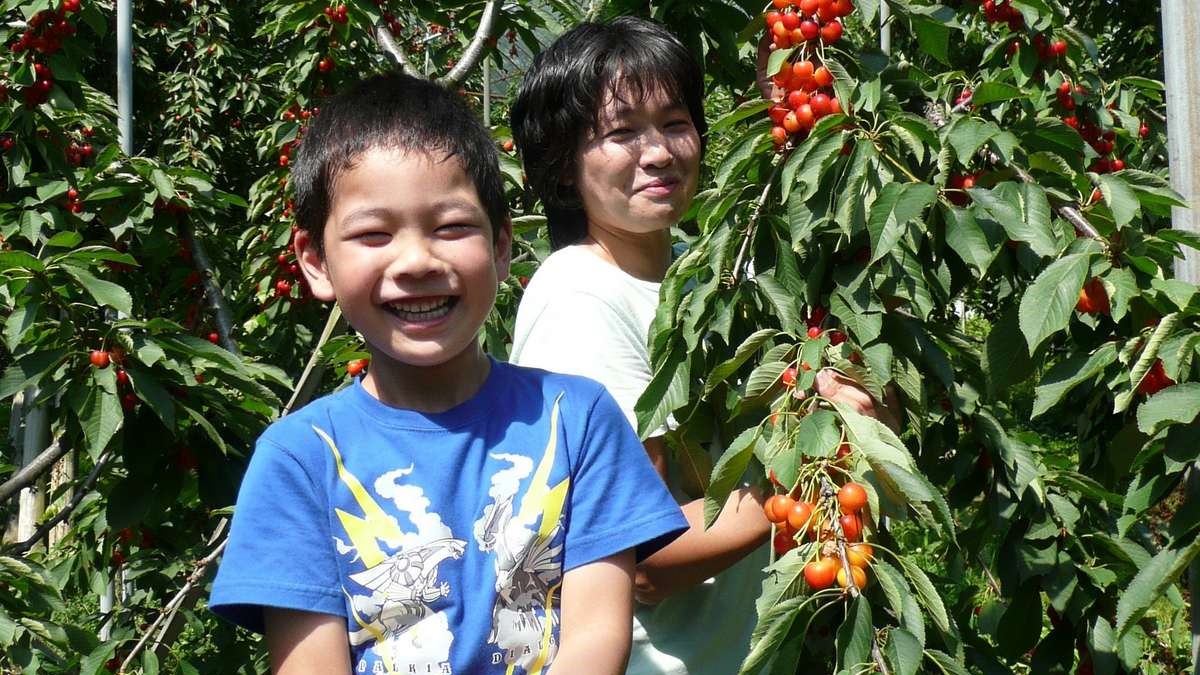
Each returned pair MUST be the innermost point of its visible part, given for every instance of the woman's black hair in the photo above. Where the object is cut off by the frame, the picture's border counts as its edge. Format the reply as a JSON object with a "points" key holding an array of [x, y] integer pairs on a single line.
{"points": [[392, 112], [562, 93]]}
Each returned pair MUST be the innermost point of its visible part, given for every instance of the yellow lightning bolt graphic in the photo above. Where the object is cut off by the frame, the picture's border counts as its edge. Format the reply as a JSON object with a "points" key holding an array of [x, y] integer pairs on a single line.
{"points": [[364, 533], [549, 500]]}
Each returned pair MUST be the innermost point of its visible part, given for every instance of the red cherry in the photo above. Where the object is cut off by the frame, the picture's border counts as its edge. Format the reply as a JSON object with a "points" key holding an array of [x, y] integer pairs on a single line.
{"points": [[122, 377], [214, 338], [99, 358], [814, 332], [836, 337], [810, 29], [831, 32]]}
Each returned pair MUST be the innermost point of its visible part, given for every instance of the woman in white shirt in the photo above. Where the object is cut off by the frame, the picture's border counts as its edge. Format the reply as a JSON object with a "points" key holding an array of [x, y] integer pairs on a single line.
{"points": [[610, 125]]}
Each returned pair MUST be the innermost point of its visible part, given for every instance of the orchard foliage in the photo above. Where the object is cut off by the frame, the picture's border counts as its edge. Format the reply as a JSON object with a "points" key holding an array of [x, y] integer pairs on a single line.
{"points": [[152, 306], [981, 226]]}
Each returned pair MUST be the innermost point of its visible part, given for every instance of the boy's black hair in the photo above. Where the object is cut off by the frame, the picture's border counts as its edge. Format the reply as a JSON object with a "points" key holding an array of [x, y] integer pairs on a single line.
{"points": [[562, 93], [394, 112]]}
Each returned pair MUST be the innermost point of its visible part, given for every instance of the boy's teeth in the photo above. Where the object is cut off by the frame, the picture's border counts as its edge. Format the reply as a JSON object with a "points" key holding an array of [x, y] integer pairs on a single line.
{"points": [[420, 305], [422, 310]]}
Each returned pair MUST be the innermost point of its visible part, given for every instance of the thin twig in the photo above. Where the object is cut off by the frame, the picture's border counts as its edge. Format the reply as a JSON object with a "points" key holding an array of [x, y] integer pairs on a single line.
{"points": [[754, 216], [387, 42], [34, 469], [474, 51], [878, 656], [172, 607], [23, 547], [212, 291], [992, 583], [314, 370]]}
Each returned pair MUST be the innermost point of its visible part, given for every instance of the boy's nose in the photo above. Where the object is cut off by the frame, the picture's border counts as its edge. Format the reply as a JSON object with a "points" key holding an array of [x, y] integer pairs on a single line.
{"points": [[413, 257]]}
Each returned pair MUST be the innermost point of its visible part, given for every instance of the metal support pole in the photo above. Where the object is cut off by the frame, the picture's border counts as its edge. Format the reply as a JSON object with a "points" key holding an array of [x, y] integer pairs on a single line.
{"points": [[1181, 25], [32, 499], [487, 91], [125, 74], [885, 28]]}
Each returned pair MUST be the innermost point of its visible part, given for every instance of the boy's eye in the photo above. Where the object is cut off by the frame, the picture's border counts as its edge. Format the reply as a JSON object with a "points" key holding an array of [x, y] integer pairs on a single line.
{"points": [[618, 132], [371, 237], [456, 228], [679, 123]]}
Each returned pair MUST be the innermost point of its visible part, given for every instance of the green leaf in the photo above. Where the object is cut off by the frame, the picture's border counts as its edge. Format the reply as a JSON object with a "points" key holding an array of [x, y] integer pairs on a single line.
{"points": [[1151, 582], [863, 326], [818, 436], [1006, 205], [765, 376], [775, 62], [104, 292], [927, 595], [29, 369], [896, 206], [20, 260], [904, 652], [1179, 404], [967, 135], [773, 626], [783, 300], [993, 92], [1120, 198], [93, 662], [162, 184], [1072, 371], [933, 37], [666, 392], [19, 322], [855, 635], [1048, 303], [747, 109], [748, 348], [149, 390], [728, 472], [100, 414], [976, 242]]}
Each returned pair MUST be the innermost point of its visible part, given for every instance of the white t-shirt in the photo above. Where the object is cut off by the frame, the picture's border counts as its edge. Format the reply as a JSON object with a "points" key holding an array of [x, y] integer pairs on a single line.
{"points": [[585, 316]]}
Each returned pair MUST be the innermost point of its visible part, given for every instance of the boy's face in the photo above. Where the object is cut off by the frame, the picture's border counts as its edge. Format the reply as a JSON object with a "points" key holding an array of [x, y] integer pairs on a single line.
{"points": [[638, 172], [409, 256]]}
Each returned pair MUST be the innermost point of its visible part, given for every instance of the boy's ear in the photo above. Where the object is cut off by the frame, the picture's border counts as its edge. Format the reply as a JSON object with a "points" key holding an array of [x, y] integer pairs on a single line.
{"points": [[312, 264], [503, 249]]}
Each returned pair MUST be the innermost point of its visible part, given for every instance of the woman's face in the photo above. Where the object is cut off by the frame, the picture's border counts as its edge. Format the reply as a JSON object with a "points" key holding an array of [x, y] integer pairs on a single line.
{"points": [[637, 172]]}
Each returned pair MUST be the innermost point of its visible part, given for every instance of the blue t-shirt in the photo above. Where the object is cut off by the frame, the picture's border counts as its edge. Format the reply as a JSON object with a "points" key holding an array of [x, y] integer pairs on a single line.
{"points": [[441, 538]]}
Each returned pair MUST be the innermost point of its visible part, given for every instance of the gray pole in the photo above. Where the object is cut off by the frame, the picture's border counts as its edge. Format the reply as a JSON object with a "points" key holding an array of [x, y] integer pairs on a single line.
{"points": [[125, 129], [125, 74], [885, 28], [1181, 23], [487, 91]]}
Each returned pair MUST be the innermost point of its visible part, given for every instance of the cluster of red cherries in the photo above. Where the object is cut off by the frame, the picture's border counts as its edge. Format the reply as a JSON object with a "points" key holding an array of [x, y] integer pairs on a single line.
{"points": [[45, 35], [803, 91]]}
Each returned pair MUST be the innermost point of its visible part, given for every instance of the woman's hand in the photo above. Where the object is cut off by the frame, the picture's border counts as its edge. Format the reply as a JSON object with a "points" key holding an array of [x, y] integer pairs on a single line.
{"points": [[837, 387]]}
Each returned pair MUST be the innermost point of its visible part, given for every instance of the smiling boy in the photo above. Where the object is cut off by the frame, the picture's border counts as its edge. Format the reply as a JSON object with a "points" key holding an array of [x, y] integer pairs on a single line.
{"points": [[446, 513]]}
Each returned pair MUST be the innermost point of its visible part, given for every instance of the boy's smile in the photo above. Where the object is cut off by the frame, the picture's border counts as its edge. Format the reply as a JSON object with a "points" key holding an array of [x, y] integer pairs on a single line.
{"points": [[410, 259]]}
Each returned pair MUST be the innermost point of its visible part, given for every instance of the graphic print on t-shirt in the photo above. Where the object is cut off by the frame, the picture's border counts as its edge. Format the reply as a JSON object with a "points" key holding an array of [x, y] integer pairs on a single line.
{"points": [[528, 557], [394, 613]]}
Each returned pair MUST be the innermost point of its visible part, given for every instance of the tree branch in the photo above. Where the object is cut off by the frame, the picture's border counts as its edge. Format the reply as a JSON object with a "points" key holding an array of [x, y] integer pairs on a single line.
{"points": [[23, 547], [212, 291], [170, 610], [33, 470], [754, 216], [387, 42], [474, 51], [314, 371], [1069, 212]]}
